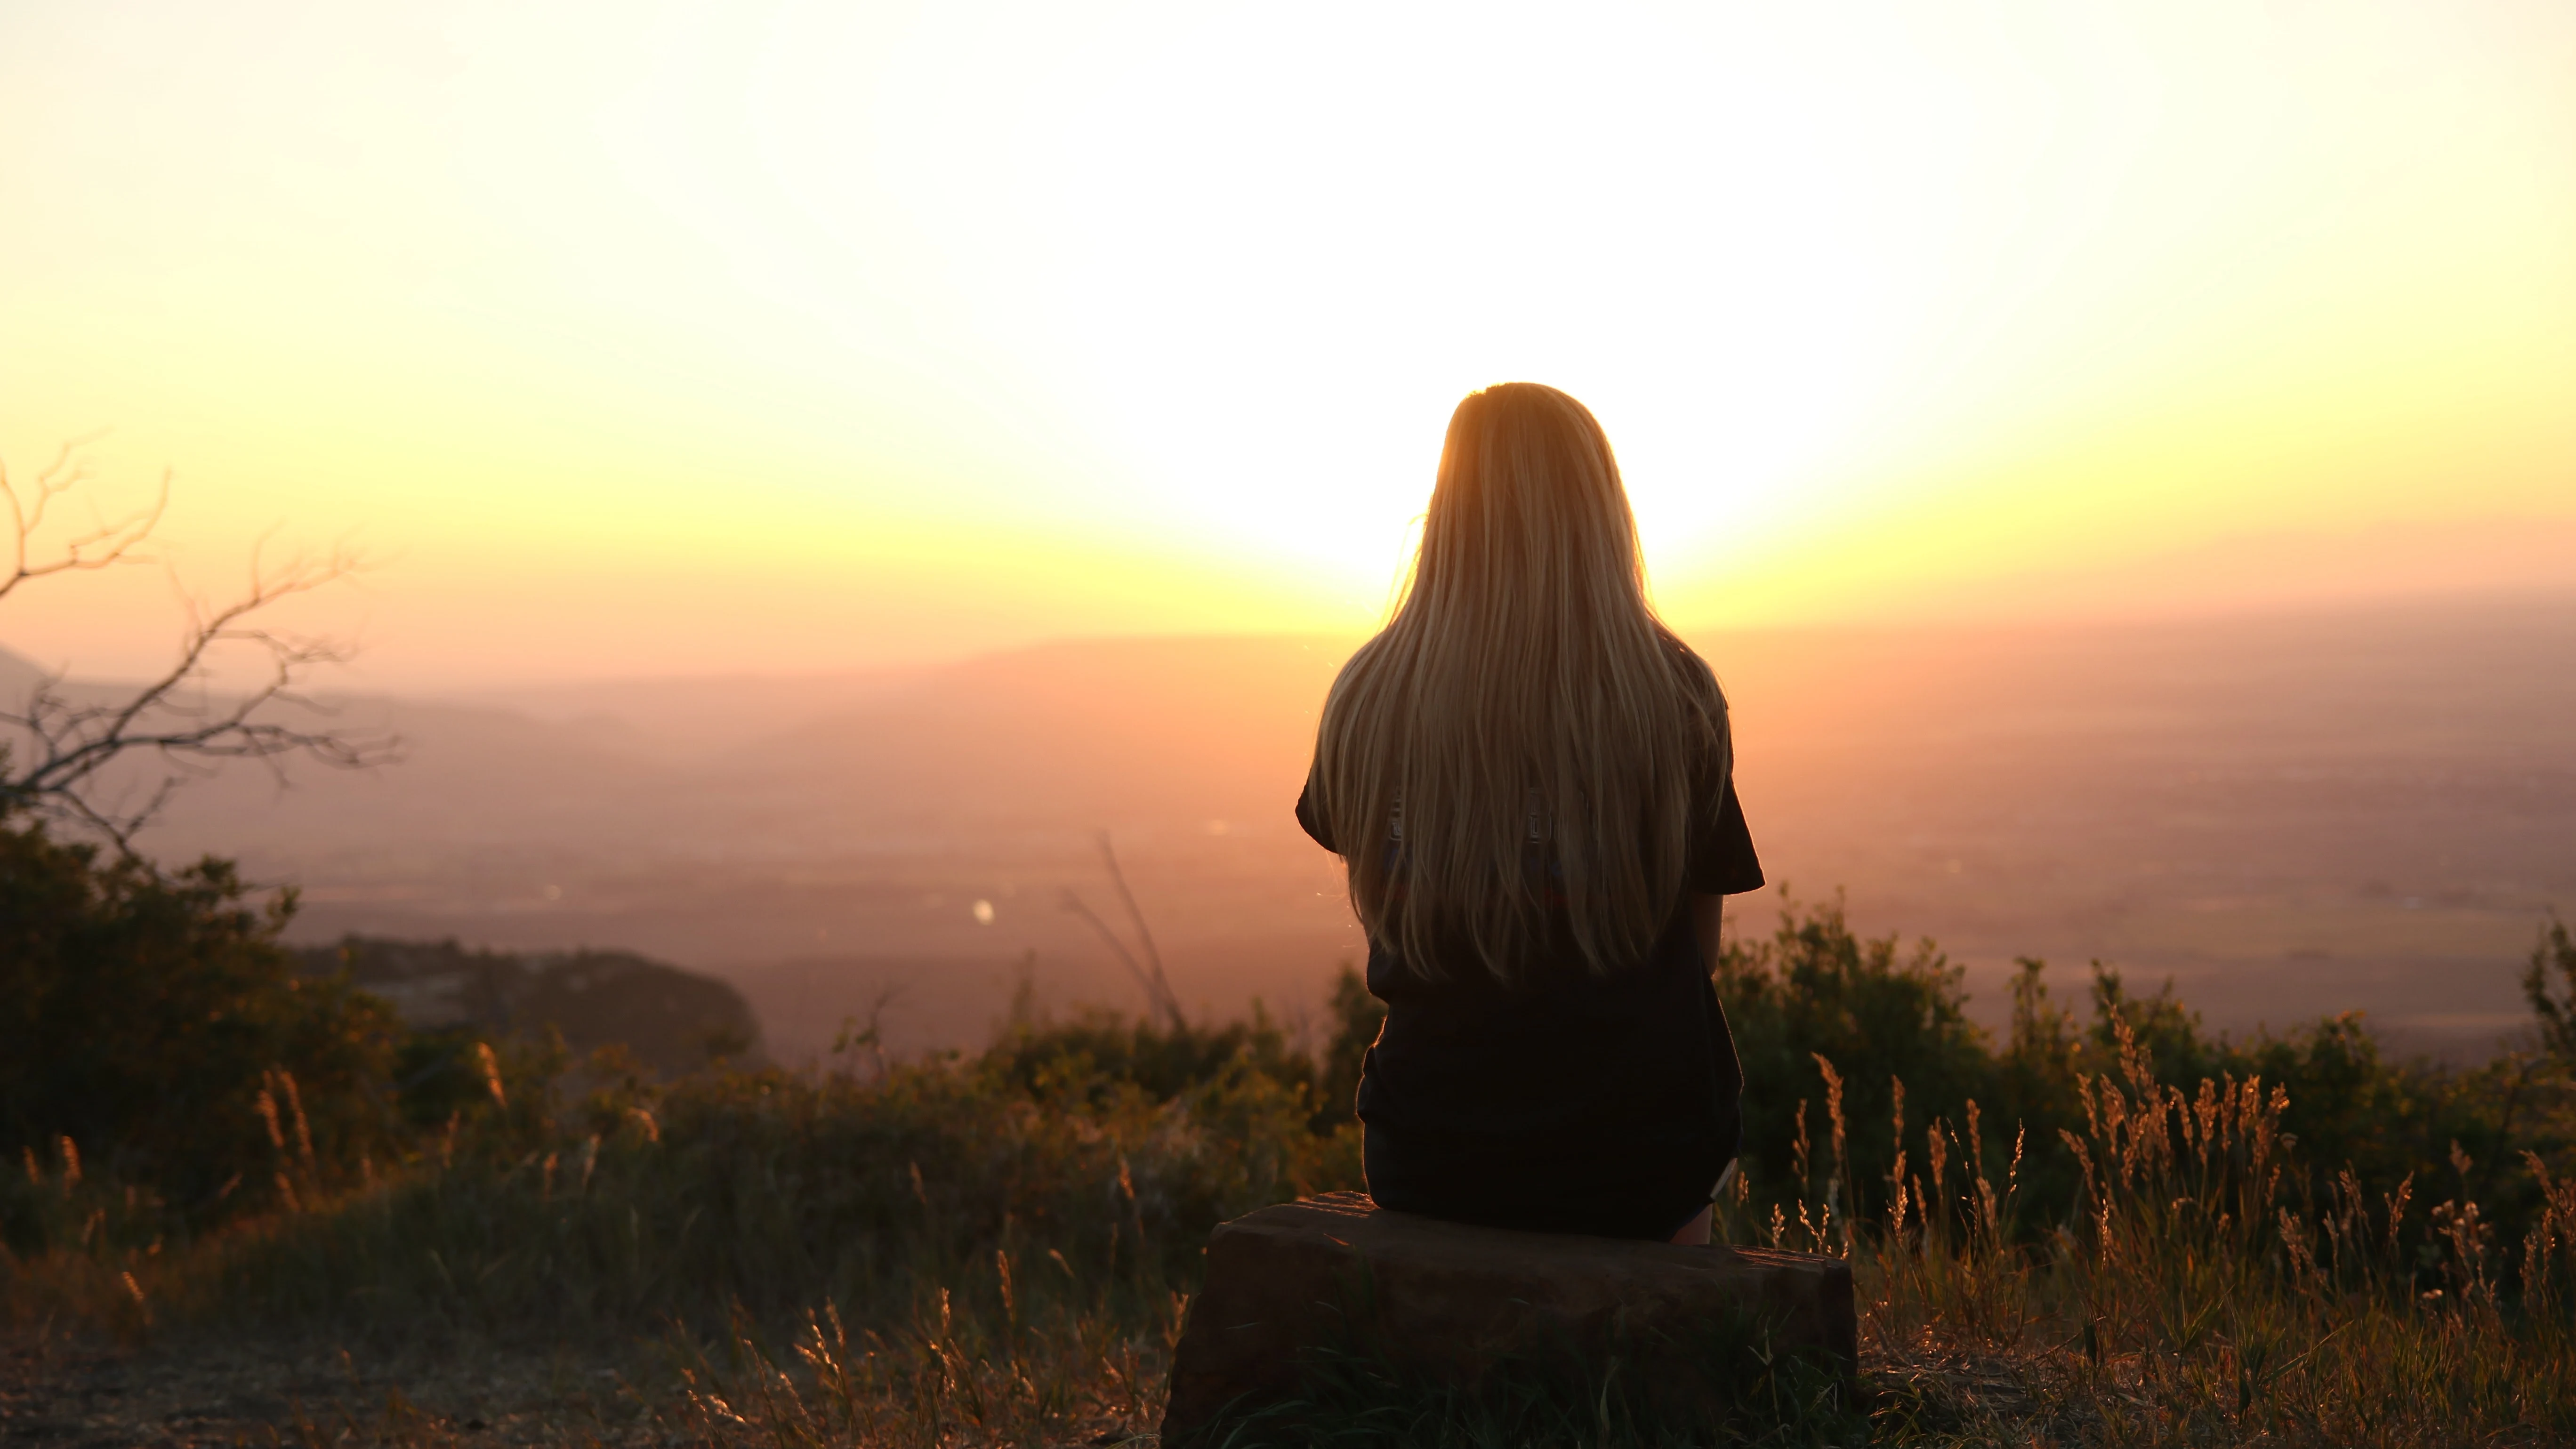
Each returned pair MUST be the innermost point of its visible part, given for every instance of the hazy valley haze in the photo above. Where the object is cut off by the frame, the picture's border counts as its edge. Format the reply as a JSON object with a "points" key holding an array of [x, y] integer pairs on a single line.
{"points": [[2289, 813]]}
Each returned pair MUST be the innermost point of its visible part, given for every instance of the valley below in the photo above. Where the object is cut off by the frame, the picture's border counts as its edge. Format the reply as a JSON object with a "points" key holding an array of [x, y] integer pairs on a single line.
{"points": [[2286, 815]]}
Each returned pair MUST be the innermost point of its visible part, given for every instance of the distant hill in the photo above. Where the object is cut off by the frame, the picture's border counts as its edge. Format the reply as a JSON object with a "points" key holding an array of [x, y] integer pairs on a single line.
{"points": [[673, 1021], [685, 721], [17, 675], [2289, 813]]}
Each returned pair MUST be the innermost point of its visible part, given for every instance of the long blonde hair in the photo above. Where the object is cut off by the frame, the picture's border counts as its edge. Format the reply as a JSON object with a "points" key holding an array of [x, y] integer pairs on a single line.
{"points": [[1523, 699]]}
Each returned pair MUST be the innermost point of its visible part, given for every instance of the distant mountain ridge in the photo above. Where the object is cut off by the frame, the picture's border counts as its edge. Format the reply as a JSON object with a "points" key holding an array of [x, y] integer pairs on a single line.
{"points": [[672, 1021], [2249, 803]]}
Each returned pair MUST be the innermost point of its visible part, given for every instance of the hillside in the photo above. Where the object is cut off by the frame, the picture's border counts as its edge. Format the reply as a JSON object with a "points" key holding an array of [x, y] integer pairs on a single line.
{"points": [[2290, 814], [670, 1021]]}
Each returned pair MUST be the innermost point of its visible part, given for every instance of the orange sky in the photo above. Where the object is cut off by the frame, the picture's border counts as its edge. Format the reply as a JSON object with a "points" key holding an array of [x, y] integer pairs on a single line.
{"points": [[661, 339]]}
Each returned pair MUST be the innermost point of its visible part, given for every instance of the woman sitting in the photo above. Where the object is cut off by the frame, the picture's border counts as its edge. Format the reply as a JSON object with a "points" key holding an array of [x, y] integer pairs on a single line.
{"points": [[1529, 780]]}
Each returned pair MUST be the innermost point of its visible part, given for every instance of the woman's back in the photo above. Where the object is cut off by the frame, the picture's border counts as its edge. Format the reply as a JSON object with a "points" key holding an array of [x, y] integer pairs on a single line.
{"points": [[1529, 780], [1524, 689]]}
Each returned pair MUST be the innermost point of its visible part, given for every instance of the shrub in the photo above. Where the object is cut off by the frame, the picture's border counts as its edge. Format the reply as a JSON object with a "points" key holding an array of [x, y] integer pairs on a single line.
{"points": [[1821, 1016], [1814, 997], [1355, 1017], [1100, 1053], [152, 1022], [642, 1204]]}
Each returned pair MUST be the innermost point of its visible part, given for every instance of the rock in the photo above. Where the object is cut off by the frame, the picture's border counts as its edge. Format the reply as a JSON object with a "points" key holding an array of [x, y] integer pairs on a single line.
{"points": [[1453, 1304]]}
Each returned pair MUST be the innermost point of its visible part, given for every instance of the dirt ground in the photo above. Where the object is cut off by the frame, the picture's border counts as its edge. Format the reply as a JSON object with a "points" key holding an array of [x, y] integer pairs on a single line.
{"points": [[212, 1392]]}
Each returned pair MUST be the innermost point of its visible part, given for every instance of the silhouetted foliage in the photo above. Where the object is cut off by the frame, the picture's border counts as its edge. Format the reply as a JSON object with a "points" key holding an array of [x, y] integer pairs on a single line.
{"points": [[957, 1214], [1879, 1014], [1100, 1054], [1876, 1014], [437, 1074], [2556, 1014], [2168, 1031], [1356, 1017], [144, 1017], [70, 751]]}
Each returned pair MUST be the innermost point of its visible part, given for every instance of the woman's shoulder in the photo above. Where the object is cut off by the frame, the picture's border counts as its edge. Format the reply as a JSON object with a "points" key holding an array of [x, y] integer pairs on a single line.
{"points": [[1704, 702], [1693, 672]]}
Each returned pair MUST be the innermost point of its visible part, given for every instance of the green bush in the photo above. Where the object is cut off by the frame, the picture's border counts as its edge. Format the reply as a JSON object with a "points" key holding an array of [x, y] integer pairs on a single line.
{"points": [[1099, 1054], [1881, 1015], [1875, 1014], [1355, 1017], [997, 1246], [152, 1022], [639, 1204]]}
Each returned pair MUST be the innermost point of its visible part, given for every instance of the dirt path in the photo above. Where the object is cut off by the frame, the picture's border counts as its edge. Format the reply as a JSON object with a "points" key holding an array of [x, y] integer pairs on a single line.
{"points": [[228, 1393]]}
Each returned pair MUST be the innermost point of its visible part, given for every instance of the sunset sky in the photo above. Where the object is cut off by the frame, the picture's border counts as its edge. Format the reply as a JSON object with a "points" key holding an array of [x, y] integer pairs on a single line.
{"points": [[656, 339]]}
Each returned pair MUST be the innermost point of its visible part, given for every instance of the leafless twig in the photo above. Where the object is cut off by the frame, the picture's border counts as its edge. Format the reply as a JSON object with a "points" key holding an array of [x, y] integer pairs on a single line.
{"points": [[64, 745], [1148, 972], [1144, 934]]}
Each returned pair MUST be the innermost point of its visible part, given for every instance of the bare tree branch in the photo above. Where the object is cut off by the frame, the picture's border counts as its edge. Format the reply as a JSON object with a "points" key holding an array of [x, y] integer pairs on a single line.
{"points": [[1148, 972], [108, 542], [1153, 958], [176, 716]]}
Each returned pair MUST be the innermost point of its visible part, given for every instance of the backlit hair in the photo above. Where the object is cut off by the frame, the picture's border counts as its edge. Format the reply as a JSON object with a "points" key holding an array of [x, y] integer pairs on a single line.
{"points": [[1523, 708]]}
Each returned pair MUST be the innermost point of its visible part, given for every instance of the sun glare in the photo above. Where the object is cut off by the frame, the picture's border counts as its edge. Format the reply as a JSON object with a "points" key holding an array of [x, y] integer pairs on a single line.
{"points": [[1795, 257], [1141, 296]]}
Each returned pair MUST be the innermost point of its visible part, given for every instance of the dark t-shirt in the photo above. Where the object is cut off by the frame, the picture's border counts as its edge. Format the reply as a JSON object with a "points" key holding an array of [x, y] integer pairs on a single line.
{"points": [[1566, 1102]]}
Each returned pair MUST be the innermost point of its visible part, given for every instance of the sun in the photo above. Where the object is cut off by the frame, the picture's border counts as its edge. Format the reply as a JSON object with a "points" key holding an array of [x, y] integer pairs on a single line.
{"points": [[918, 327]]}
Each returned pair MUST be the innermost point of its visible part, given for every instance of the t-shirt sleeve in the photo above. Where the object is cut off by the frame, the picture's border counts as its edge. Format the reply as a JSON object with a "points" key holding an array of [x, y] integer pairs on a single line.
{"points": [[1308, 817], [1722, 862]]}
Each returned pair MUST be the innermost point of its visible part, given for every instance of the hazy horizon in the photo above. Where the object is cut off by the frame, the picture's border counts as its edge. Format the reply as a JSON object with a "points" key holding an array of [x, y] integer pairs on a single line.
{"points": [[640, 342], [2288, 812]]}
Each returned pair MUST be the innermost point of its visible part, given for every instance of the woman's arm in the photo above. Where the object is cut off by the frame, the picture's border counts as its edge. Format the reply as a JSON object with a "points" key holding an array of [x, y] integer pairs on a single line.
{"points": [[1706, 913]]}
